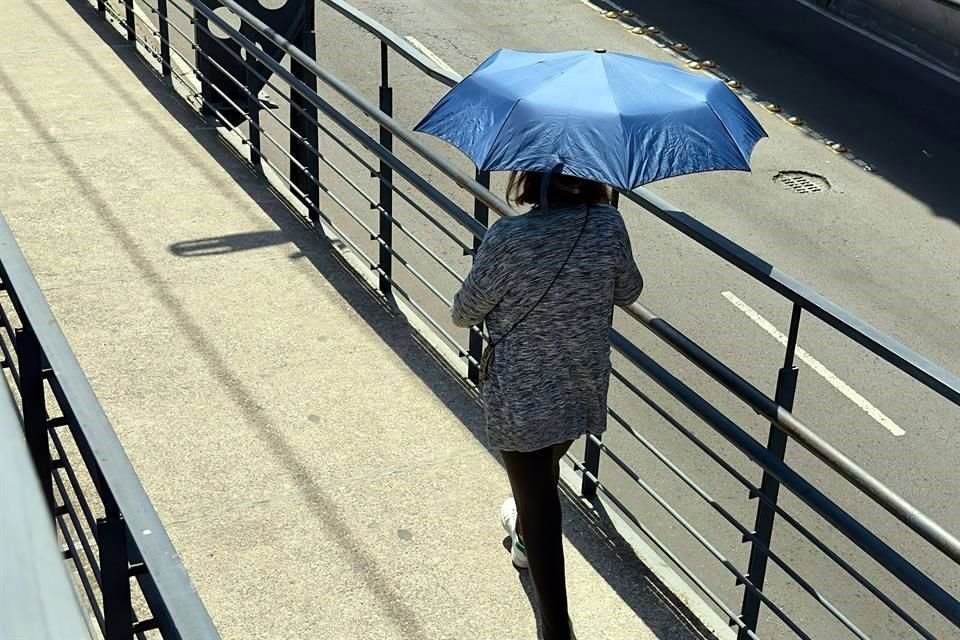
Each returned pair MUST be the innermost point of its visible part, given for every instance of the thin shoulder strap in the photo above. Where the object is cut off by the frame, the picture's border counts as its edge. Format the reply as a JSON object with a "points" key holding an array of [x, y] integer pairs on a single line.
{"points": [[549, 286]]}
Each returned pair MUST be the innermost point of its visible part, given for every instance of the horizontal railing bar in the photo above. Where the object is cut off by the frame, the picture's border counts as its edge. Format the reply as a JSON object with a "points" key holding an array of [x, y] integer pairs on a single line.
{"points": [[5, 322], [142, 626], [433, 220], [789, 519], [409, 234], [11, 334], [77, 527], [376, 173], [916, 366], [700, 538], [329, 222], [463, 352], [893, 562], [406, 264], [8, 358], [92, 601], [392, 185], [373, 265], [72, 477], [744, 531], [663, 548], [908, 514], [113, 466]]}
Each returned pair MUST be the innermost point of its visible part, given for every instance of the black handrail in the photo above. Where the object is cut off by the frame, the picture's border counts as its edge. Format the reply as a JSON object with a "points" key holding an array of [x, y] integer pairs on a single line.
{"points": [[177, 604]]}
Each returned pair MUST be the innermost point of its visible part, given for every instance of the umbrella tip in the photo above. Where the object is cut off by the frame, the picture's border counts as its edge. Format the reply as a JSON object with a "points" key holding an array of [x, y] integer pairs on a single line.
{"points": [[599, 50]]}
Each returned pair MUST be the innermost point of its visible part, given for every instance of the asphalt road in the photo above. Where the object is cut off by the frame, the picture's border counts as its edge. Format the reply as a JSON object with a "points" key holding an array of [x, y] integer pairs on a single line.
{"points": [[883, 244]]}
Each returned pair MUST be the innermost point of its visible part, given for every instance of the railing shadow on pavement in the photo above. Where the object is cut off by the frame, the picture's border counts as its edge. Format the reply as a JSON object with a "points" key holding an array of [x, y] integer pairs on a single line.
{"points": [[777, 411]]}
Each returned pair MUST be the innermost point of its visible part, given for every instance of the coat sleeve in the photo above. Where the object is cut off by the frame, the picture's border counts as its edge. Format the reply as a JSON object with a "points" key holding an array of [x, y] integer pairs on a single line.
{"points": [[486, 284], [629, 282]]}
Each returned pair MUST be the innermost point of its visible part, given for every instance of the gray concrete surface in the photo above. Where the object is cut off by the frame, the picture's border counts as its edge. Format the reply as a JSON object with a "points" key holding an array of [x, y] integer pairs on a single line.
{"points": [[319, 471]]}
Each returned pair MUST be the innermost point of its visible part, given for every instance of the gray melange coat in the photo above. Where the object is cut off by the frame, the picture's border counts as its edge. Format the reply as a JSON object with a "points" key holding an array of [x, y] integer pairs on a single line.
{"points": [[548, 383]]}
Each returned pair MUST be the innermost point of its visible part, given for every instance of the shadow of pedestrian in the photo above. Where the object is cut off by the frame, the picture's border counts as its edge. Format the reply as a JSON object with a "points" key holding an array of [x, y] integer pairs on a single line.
{"points": [[228, 244]]}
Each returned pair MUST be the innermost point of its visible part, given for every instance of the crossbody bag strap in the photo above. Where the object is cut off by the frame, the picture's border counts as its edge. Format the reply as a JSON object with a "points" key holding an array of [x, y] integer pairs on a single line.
{"points": [[549, 286]]}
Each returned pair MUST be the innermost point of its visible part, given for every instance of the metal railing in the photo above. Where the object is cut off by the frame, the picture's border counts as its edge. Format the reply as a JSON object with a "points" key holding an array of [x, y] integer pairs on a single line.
{"points": [[101, 512], [312, 115]]}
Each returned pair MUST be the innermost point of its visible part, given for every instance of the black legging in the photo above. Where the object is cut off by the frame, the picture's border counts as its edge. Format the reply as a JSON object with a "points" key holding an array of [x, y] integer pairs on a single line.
{"points": [[534, 477]]}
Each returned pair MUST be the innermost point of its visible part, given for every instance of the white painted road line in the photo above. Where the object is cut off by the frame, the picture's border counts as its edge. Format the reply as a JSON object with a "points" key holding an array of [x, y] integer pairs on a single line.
{"points": [[815, 364], [613, 5], [430, 54]]}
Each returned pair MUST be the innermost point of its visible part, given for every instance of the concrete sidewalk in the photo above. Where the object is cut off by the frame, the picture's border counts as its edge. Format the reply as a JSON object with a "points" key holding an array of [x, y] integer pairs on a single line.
{"points": [[320, 473]]}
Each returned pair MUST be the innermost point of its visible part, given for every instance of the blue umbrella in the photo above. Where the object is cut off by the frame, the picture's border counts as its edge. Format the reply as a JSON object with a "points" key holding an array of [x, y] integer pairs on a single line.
{"points": [[615, 118]]}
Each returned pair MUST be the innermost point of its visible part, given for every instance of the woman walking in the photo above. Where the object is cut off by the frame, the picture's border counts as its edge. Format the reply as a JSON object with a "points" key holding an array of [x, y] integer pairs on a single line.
{"points": [[546, 284]]}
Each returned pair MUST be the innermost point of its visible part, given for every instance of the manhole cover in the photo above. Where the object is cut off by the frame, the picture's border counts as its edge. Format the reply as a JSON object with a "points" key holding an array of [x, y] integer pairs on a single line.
{"points": [[801, 181]]}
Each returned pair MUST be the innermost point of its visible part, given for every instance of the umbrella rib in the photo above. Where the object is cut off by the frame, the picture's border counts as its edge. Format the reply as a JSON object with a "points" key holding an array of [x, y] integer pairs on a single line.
{"points": [[493, 141], [746, 159], [623, 125]]}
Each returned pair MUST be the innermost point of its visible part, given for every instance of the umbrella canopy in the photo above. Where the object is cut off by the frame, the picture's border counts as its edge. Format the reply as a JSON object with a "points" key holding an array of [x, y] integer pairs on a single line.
{"points": [[614, 118]]}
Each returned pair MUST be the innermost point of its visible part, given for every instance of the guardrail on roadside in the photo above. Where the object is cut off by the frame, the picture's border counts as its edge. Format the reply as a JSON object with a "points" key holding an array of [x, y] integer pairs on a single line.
{"points": [[312, 115], [102, 514]]}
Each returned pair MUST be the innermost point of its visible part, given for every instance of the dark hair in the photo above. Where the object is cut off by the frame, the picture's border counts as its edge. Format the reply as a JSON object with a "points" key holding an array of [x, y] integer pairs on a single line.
{"points": [[524, 188]]}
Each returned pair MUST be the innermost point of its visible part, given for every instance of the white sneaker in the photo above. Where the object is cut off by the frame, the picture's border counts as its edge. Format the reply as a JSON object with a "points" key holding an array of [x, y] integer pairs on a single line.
{"points": [[508, 518]]}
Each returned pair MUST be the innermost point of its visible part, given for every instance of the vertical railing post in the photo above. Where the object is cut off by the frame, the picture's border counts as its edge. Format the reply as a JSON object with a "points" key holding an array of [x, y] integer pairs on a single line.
{"points": [[591, 463], [30, 367], [386, 178], [305, 164], [130, 20], [200, 28], [166, 65], [114, 571], [253, 112], [102, 7], [770, 486], [475, 345]]}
